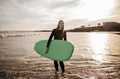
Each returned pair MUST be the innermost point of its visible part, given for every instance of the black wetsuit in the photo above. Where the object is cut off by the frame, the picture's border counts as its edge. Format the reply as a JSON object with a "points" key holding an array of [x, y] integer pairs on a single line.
{"points": [[57, 36]]}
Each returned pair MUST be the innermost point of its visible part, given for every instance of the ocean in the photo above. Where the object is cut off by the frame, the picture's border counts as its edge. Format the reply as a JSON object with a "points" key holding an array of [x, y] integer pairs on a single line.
{"points": [[96, 56]]}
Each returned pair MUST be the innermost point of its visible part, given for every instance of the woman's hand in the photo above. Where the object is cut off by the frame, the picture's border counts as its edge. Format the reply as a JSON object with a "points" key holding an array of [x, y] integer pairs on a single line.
{"points": [[46, 50]]}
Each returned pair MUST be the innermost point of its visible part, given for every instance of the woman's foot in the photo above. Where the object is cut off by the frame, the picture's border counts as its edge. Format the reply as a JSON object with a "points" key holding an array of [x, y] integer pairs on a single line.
{"points": [[56, 73], [63, 74]]}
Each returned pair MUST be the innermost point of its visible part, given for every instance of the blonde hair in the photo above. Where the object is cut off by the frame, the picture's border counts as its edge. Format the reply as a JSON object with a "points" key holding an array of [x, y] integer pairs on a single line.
{"points": [[62, 28]]}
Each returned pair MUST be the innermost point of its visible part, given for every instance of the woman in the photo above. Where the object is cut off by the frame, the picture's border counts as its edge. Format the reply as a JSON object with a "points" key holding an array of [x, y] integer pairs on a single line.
{"points": [[58, 34]]}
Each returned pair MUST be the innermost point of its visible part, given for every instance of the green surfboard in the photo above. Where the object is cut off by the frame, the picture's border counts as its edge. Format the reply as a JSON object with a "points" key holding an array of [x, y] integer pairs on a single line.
{"points": [[58, 50]]}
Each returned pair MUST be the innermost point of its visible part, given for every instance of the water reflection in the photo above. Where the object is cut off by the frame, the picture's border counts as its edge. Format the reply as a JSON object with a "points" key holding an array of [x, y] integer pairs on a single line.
{"points": [[98, 45]]}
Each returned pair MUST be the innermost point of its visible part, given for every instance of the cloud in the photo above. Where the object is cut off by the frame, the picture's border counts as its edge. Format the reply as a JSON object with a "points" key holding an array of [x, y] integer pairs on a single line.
{"points": [[115, 15], [18, 13], [63, 4], [44, 14], [38, 13]]}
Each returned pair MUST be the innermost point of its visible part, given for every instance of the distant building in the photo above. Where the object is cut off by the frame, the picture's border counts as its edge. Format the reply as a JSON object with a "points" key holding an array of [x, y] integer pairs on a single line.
{"points": [[111, 26]]}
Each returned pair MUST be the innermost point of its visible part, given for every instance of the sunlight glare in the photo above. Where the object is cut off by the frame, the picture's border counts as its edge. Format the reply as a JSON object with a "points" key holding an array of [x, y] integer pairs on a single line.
{"points": [[93, 9], [98, 45]]}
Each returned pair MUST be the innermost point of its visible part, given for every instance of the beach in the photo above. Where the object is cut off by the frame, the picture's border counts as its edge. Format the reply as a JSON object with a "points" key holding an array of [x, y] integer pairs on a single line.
{"points": [[96, 56]]}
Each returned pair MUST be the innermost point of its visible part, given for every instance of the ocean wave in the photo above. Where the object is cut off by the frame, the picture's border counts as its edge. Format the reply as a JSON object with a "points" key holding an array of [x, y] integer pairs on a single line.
{"points": [[5, 35]]}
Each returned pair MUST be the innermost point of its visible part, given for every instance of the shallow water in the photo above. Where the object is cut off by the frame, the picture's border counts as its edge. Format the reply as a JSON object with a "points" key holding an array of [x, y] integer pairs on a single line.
{"points": [[96, 56]]}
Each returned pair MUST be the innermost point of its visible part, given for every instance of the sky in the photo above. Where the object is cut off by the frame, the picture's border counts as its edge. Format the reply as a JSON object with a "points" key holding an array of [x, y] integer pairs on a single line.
{"points": [[45, 14]]}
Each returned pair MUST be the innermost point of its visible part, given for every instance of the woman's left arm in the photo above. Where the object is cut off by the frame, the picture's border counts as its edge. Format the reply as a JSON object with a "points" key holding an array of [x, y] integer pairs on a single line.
{"points": [[65, 36]]}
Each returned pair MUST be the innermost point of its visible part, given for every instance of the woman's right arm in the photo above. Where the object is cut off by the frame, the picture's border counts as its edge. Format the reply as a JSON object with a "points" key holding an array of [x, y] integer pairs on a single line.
{"points": [[49, 41]]}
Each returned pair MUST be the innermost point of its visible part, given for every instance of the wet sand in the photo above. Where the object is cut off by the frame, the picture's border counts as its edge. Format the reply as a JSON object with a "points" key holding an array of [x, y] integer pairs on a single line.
{"points": [[15, 69], [18, 60], [117, 33]]}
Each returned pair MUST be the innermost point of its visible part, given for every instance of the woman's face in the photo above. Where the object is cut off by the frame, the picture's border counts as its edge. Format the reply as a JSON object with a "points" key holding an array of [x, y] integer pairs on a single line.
{"points": [[61, 24]]}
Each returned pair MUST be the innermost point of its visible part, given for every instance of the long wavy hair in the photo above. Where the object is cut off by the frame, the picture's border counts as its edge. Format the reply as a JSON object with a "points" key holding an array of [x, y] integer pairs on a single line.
{"points": [[62, 27]]}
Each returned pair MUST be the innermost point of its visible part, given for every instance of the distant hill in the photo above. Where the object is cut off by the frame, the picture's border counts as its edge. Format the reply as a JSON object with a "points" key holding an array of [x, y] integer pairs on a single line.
{"points": [[107, 26]]}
